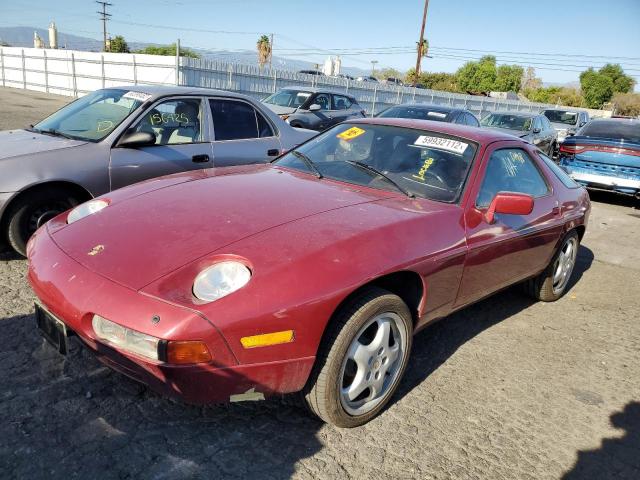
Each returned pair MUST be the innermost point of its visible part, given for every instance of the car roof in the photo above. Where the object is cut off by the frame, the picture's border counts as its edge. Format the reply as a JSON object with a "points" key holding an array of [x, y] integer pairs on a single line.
{"points": [[517, 114], [316, 90], [480, 135], [164, 90], [632, 121], [428, 106]]}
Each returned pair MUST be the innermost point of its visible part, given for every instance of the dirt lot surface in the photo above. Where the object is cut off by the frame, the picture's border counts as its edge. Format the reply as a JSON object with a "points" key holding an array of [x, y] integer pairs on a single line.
{"points": [[507, 389]]}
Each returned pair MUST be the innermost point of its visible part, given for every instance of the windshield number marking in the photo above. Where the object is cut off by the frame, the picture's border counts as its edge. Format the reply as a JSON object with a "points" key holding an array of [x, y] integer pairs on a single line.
{"points": [[441, 143], [427, 163], [143, 97]]}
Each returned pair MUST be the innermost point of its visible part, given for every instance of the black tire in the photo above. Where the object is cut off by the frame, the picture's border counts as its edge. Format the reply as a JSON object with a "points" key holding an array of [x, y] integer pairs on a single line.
{"points": [[541, 287], [31, 211], [322, 393]]}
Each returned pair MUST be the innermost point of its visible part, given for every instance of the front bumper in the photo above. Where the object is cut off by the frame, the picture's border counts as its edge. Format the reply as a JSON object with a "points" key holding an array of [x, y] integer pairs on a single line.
{"points": [[73, 294]]}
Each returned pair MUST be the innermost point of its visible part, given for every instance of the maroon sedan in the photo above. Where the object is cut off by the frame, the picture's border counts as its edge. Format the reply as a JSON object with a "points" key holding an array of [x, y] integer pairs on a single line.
{"points": [[309, 274]]}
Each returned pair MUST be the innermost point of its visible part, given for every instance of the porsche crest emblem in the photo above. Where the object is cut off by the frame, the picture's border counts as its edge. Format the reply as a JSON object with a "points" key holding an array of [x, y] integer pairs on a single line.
{"points": [[96, 250]]}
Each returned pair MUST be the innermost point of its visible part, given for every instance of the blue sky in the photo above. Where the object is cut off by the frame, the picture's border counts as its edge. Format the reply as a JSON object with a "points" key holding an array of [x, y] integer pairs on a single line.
{"points": [[585, 32]]}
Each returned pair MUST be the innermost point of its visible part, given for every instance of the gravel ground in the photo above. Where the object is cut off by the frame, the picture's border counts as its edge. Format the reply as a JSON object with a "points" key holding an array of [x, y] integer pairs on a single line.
{"points": [[505, 389]]}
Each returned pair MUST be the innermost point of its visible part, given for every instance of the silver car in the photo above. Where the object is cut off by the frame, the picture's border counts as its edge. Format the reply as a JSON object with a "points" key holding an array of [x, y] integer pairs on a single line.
{"points": [[566, 122], [119, 136]]}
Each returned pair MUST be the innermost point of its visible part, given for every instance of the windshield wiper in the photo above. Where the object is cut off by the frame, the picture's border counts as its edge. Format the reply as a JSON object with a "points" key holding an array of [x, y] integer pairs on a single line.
{"points": [[307, 161], [369, 168], [54, 132]]}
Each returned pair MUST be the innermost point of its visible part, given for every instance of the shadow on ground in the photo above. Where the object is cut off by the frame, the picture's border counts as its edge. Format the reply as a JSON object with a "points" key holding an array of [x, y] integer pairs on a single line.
{"points": [[436, 343], [617, 458], [614, 199]]}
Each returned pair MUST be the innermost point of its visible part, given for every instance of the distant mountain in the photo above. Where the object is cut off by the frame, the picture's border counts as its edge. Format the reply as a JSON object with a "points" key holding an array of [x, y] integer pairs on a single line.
{"points": [[23, 37]]}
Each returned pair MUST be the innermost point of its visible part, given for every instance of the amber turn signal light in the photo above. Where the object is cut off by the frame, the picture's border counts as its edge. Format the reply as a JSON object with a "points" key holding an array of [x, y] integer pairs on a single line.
{"points": [[187, 352], [267, 339]]}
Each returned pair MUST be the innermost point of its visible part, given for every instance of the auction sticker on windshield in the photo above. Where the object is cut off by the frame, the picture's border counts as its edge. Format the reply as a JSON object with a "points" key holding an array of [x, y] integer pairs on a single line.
{"points": [[440, 143], [351, 133], [143, 97]]}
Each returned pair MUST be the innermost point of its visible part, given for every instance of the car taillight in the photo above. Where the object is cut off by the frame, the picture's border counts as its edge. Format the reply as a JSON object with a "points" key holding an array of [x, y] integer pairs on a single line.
{"points": [[571, 149]]}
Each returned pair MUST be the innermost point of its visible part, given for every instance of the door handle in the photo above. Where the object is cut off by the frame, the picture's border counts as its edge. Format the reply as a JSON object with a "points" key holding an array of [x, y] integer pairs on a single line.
{"points": [[274, 152], [556, 209], [200, 158]]}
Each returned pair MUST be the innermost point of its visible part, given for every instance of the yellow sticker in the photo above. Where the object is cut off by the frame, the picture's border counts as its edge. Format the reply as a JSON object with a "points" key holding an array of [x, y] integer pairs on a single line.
{"points": [[350, 134]]}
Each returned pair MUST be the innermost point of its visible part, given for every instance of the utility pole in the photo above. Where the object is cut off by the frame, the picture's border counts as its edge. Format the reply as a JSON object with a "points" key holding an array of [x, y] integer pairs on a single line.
{"points": [[420, 42], [373, 66], [104, 16]]}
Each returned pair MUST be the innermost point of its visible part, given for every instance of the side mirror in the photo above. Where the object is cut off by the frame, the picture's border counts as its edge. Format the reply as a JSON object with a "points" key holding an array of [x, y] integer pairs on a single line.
{"points": [[137, 140], [315, 108], [509, 203], [570, 133], [536, 130]]}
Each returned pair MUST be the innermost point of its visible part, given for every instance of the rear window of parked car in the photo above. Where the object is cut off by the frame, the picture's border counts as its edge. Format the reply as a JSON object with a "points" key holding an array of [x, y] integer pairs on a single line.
{"points": [[617, 130]]}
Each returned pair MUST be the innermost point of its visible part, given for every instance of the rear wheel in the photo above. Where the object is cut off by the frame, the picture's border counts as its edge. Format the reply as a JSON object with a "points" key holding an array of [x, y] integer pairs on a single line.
{"points": [[552, 283], [361, 360], [31, 211]]}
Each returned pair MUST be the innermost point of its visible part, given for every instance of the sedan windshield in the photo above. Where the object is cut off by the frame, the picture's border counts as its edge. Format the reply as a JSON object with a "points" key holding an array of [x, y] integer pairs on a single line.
{"points": [[93, 116], [420, 113], [288, 98], [558, 116], [414, 162], [506, 120]]}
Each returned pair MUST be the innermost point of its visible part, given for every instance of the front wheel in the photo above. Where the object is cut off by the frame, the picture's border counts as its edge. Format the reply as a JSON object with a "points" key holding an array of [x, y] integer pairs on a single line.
{"points": [[31, 212], [552, 283], [362, 358]]}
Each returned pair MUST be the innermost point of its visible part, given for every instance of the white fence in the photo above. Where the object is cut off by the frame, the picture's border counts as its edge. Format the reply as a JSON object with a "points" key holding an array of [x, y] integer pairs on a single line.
{"points": [[75, 73]]}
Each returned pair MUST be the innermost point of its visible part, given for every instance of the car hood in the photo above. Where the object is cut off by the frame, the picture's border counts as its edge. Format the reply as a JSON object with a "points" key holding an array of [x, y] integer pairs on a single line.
{"points": [[508, 131], [280, 110], [14, 143], [149, 232]]}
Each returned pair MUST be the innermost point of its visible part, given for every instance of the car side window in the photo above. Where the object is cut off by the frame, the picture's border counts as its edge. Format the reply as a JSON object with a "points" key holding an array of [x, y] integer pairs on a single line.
{"points": [[237, 120], [471, 120], [511, 170], [323, 100], [563, 176], [340, 102], [537, 124], [173, 122]]}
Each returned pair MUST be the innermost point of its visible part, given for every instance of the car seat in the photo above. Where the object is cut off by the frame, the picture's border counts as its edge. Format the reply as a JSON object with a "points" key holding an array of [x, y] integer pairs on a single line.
{"points": [[187, 119]]}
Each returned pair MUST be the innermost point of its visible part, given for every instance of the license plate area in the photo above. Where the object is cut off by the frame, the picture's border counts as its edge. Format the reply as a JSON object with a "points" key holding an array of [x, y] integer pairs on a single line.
{"points": [[53, 330]]}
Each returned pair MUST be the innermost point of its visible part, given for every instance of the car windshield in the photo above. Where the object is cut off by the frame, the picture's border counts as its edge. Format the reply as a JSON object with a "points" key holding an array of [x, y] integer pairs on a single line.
{"points": [[626, 130], [421, 163], [93, 116], [506, 120], [288, 98], [558, 116], [415, 112]]}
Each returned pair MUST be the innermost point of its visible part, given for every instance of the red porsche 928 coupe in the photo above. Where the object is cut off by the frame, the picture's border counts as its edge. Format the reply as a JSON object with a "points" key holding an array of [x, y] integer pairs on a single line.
{"points": [[311, 273]]}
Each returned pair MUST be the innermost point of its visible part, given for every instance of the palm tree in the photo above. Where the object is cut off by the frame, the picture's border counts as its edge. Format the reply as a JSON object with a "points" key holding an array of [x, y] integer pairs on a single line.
{"points": [[423, 47], [264, 50]]}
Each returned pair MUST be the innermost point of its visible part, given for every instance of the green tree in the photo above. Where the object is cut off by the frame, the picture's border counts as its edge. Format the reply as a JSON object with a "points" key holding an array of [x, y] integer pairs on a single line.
{"points": [[558, 95], [264, 50], [508, 78], [169, 50], [597, 88], [118, 45], [478, 77], [445, 82], [529, 80], [622, 83]]}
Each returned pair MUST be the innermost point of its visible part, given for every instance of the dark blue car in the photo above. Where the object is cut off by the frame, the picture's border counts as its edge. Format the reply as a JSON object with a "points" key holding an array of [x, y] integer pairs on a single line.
{"points": [[605, 155]]}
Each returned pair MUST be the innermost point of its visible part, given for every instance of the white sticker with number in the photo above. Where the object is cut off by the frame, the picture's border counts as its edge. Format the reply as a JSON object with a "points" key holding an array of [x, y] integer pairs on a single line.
{"points": [[441, 143], [143, 97]]}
